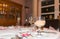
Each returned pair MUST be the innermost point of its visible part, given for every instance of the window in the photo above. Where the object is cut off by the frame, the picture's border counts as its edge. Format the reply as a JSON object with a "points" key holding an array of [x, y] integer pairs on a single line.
{"points": [[47, 2], [59, 1], [59, 7], [48, 16], [9, 11], [48, 9]]}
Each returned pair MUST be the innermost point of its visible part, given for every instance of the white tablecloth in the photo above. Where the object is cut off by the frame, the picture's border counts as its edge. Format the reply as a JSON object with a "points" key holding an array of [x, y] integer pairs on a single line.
{"points": [[45, 36], [9, 33]]}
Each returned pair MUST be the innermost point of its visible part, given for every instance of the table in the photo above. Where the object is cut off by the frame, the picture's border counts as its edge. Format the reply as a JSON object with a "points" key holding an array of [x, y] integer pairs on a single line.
{"points": [[9, 33]]}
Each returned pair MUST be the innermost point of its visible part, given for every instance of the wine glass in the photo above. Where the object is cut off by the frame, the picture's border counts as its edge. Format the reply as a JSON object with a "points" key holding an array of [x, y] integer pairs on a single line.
{"points": [[40, 24]]}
